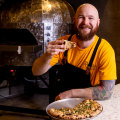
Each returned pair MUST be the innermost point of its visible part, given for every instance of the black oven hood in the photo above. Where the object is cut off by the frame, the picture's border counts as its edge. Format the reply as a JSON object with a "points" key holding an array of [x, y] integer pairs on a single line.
{"points": [[17, 37]]}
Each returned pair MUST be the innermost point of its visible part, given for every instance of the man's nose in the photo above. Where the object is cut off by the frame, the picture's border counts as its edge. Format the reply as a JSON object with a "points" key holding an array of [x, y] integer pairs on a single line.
{"points": [[85, 21]]}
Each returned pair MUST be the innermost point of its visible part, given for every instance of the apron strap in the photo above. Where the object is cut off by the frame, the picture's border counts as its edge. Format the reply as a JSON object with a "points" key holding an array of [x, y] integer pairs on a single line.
{"points": [[93, 56]]}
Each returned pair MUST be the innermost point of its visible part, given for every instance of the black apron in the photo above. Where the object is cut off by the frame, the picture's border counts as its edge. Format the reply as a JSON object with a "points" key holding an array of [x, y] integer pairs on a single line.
{"points": [[70, 77]]}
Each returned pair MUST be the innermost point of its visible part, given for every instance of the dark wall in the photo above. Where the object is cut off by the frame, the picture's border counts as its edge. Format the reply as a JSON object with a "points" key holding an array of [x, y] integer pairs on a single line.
{"points": [[99, 4]]}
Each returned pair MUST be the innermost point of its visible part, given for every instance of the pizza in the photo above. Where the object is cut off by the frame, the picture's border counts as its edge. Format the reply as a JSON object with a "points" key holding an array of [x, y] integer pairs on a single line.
{"points": [[86, 109], [69, 44]]}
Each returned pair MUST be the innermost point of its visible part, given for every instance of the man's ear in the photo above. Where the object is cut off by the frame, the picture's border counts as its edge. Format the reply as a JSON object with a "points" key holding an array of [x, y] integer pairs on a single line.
{"points": [[98, 22]]}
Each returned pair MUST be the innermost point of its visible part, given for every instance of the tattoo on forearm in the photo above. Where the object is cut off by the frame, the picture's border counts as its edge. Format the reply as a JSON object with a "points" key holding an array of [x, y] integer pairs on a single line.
{"points": [[104, 90]]}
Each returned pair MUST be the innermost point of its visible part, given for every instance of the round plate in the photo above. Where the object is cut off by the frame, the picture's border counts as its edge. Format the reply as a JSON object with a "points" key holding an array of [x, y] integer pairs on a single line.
{"points": [[70, 102]]}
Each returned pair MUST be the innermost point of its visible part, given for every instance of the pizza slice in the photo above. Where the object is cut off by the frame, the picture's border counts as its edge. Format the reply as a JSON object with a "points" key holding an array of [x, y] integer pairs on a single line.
{"points": [[69, 44]]}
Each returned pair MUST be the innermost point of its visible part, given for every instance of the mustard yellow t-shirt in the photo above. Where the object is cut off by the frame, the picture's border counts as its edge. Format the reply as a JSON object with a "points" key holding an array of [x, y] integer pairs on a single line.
{"points": [[103, 66]]}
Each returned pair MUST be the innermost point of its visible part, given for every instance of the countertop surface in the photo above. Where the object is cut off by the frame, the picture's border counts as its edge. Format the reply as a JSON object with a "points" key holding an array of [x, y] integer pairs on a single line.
{"points": [[111, 107]]}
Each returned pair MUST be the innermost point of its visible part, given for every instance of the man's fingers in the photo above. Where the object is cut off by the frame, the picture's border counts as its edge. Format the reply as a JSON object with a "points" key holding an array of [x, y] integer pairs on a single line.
{"points": [[57, 98], [56, 46], [57, 42], [54, 51]]}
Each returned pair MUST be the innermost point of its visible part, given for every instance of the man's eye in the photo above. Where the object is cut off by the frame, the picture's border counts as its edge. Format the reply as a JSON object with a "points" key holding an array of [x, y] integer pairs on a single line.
{"points": [[80, 17], [90, 18]]}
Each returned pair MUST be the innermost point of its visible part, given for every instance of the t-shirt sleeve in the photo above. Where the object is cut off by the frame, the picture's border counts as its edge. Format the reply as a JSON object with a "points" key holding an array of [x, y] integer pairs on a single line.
{"points": [[54, 60], [107, 63]]}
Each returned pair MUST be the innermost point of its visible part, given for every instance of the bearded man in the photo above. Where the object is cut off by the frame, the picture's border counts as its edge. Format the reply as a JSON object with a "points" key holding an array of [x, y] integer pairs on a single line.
{"points": [[89, 69]]}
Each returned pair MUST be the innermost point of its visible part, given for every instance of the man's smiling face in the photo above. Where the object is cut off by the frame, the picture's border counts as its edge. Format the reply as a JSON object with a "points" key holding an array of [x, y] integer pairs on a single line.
{"points": [[86, 21]]}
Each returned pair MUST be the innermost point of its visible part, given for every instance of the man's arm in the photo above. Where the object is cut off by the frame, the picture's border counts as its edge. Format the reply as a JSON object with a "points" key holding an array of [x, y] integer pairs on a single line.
{"points": [[104, 91], [101, 92], [42, 64]]}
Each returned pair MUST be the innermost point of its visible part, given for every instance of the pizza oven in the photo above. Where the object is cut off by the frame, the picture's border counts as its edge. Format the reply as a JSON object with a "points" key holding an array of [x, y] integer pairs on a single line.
{"points": [[26, 27], [47, 20]]}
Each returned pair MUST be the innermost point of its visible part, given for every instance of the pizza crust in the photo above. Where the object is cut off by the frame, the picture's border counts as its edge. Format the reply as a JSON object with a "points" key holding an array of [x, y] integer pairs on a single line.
{"points": [[55, 113]]}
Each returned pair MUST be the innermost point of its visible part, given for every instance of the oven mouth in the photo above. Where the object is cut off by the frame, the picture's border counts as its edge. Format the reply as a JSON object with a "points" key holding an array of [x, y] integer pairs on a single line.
{"points": [[17, 37]]}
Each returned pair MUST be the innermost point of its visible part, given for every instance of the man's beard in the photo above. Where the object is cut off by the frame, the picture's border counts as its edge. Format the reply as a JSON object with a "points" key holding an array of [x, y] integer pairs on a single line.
{"points": [[85, 37]]}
